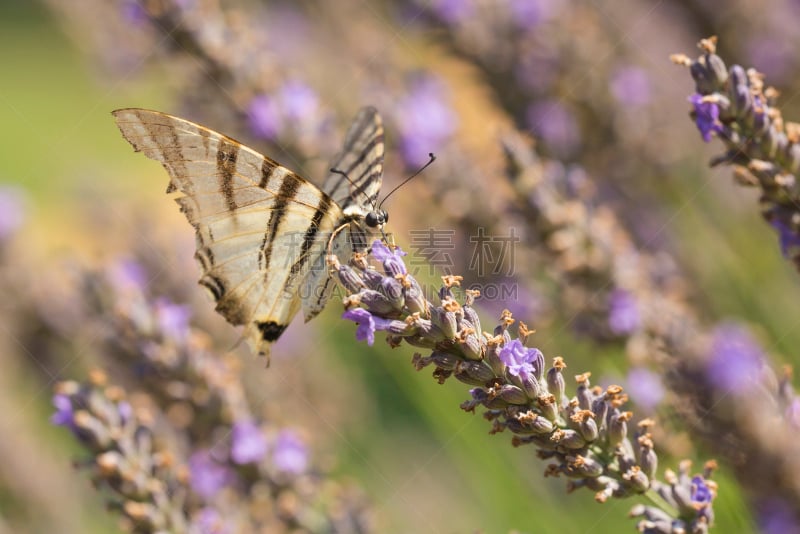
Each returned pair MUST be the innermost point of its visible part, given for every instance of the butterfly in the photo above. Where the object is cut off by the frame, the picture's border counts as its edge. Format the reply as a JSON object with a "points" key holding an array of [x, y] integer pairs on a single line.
{"points": [[263, 232]]}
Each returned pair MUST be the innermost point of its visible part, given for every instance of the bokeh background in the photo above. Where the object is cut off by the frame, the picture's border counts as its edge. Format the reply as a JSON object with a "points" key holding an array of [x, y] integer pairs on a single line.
{"points": [[591, 82]]}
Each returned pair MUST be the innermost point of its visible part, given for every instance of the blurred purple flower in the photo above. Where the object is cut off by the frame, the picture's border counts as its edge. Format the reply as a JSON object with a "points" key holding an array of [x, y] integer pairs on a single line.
{"points": [[630, 86], [173, 319], [12, 210], [529, 14], [290, 454], [452, 11], [64, 416], [134, 12], [787, 237], [706, 116], [207, 476], [735, 359], [623, 312], [248, 444], [209, 521], [127, 276], [264, 116], [298, 101], [777, 517], [507, 292], [774, 56], [519, 359], [392, 259], [792, 414], [645, 388], [367, 324], [425, 119], [555, 124]]}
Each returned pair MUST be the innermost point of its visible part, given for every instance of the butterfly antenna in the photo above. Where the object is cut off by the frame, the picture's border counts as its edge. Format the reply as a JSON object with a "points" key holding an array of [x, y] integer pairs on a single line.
{"points": [[404, 182], [355, 187]]}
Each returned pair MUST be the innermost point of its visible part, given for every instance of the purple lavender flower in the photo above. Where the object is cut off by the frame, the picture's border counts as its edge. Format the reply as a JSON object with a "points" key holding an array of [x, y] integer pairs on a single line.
{"points": [[777, 517], [290, 454], [519, 359], [134, 12], [264, 116], [701, 493], [555, 124], [792, 414], [209, 521], [736, 359], [127, 276], [248, 444], [173, 320], [452, 11], [299, 102], [623, 312], [528, 14], [787, 237], [645, 388], [425, 120], [706, 116], [12, 211], [207, 476], [630, 86], [367, 324], [773, 55], [392, 259], [64, 414]]}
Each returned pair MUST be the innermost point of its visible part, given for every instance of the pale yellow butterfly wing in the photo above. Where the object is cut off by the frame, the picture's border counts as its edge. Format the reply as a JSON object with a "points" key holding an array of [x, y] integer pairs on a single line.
{"points": [[261, 229]]}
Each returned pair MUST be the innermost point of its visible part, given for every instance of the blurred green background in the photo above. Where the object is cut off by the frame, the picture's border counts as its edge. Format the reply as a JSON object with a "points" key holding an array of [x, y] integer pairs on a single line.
{"points": [[426, 465]]}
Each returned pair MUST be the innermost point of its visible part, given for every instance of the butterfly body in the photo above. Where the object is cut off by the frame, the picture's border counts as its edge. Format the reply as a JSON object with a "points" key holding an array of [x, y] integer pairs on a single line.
{"points": [[263, 231]]}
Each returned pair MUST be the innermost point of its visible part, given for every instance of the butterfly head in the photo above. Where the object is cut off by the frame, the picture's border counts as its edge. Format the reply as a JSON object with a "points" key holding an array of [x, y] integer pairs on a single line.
{"points": [[376, 218]]}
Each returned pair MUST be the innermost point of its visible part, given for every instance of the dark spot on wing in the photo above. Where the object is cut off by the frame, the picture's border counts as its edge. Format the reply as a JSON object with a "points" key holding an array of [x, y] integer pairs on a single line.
{"points": [[270, 330]]}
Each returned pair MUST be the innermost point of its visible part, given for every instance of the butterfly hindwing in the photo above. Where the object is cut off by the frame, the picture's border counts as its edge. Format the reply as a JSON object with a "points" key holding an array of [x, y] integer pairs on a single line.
{"points": [[261, 229]]}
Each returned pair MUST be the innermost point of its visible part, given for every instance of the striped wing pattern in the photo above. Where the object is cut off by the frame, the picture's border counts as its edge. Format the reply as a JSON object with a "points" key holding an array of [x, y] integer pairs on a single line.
{"points": [[361, 159], [261, 229]]}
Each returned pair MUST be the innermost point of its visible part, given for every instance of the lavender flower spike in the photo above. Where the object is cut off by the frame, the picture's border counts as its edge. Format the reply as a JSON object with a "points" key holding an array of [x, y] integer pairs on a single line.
{"points": [[585, 437]]}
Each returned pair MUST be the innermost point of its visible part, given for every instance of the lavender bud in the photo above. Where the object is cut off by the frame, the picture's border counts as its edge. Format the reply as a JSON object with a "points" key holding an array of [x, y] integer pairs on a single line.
{"points": [[445, 320], [414, 297], [637, 479], [471, 316], [547, 406], [569, 439], [512, 394], [375, 302], [555, 380], [392, 289], [429, 330], [618, 427], [349, 278], [581, 466], [529, 383], [443, 360], [475, 373], [793, 157], [648, 460], [741, 99], [586, 424], [492, 356], [600, 409], [530, 423], [583, 392], [372, 278], [470, 346]]}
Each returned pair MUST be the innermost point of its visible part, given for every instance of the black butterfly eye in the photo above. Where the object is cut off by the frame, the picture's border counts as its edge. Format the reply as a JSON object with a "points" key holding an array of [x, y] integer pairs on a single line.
{"points": [[372, 219]]}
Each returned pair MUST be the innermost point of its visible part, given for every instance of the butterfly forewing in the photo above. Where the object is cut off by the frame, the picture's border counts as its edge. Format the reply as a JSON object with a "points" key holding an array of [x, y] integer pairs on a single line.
{"points": [[361, 159], [261, 229]]}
